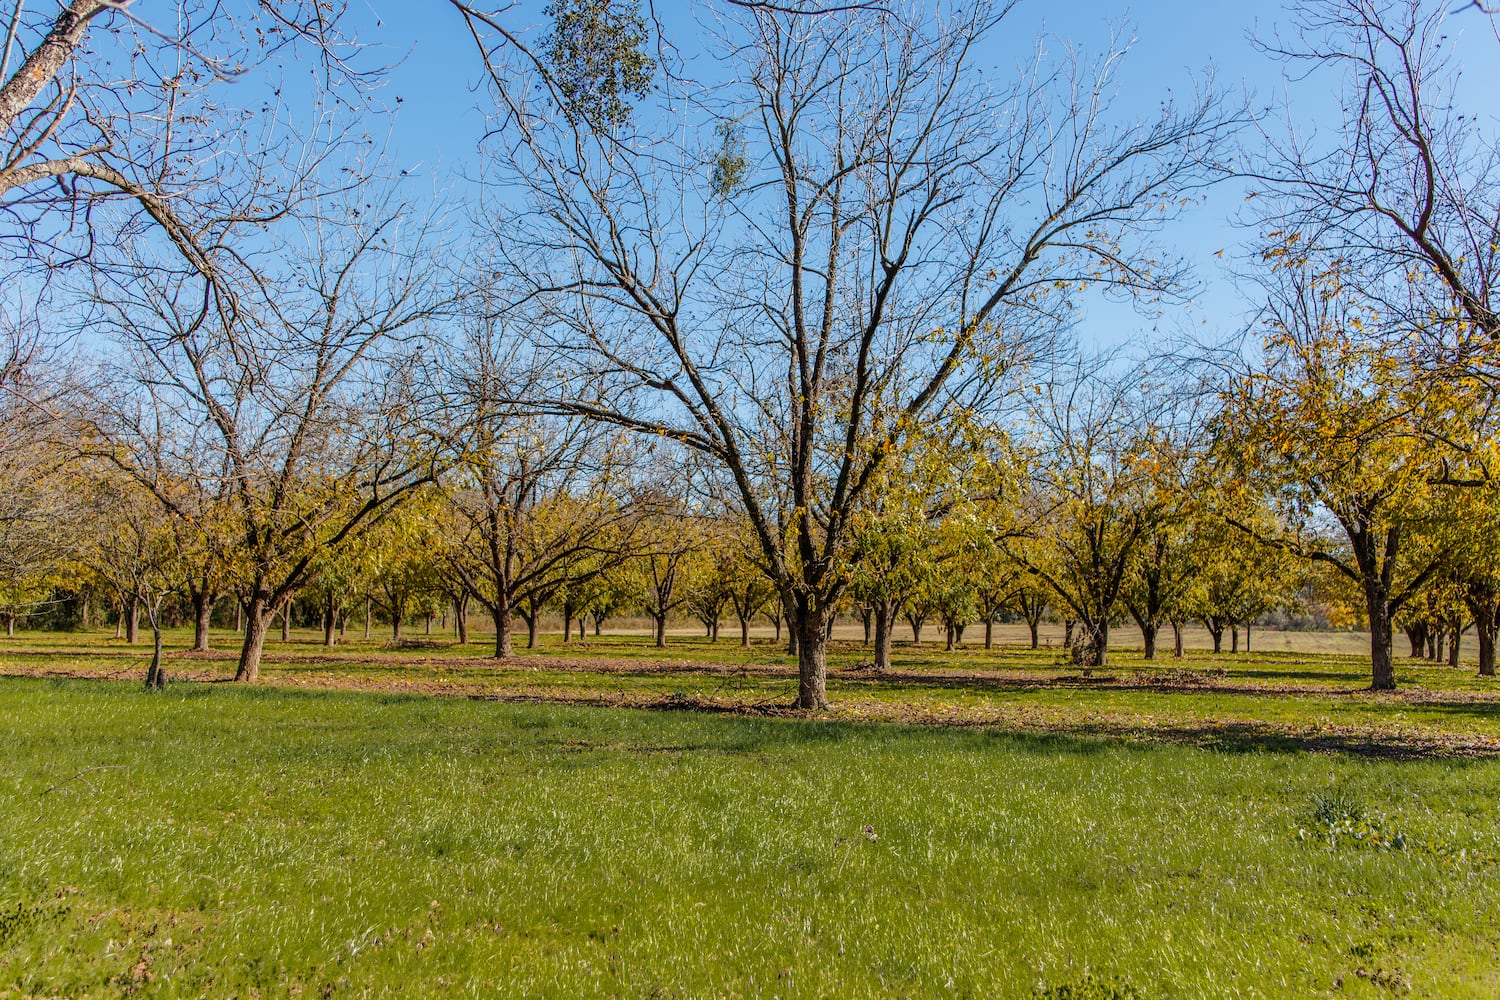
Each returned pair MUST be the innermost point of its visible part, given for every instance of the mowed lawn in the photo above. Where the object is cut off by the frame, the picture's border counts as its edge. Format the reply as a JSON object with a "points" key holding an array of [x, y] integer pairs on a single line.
{"points": [[222, 841]]}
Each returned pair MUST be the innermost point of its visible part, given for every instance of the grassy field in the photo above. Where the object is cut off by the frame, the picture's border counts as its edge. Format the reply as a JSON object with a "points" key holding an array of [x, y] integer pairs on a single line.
{"points": [[1149, 832]]}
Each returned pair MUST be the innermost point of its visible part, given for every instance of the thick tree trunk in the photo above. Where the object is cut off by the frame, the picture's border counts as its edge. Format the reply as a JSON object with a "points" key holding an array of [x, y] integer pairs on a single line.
{"points": [[1234, 638], [1416, 636], [1216, 631], [1484, 630], [461, 619], [501, 615], [744, 631], [1035, 627], [950, 640], [567, 617], [661, 631], [1068, 624], [1455, 645], [203, 609], [598, 624], [582, 628], [257, 621], [989, 633], [532, 623], [1177, 640], [1441, 645], [1148, 639], [812, 662], [286, 620]]}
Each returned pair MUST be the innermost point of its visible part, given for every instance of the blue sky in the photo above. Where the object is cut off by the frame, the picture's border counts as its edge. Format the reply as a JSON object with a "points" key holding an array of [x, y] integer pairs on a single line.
{"points": [[440, 121]]}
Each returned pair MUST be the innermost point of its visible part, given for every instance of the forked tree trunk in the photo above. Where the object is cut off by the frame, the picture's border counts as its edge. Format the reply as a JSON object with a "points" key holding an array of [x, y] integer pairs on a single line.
{"points": [[461, 619], [661, 631], [744, 631], [1035, 626], [531, 626]]}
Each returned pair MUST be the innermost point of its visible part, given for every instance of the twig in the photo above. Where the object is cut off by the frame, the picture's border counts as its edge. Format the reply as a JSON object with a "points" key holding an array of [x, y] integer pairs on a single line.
{"points": [[80, 776]]}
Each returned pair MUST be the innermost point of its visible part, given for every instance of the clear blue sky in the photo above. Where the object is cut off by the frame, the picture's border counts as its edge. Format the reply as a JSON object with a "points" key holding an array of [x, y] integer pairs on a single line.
{"points": [[1176, 41]]}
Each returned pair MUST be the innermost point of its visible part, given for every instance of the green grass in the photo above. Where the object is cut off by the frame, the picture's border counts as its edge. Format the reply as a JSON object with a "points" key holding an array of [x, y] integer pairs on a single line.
{"points": [[1298, 697], [286, 842]]}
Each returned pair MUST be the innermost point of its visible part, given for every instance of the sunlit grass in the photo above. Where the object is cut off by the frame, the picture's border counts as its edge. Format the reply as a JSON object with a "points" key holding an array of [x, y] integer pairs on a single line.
{"points": [[278, 841]]}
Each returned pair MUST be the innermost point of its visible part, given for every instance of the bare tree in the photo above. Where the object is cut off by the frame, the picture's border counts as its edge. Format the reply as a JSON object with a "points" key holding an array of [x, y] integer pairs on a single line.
{"points": [[301, 398], [788, 272], [117, 117]]}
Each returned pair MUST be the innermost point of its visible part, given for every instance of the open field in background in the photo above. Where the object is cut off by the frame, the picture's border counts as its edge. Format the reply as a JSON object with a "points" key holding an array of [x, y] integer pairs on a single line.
{"points": [[222, 841]]}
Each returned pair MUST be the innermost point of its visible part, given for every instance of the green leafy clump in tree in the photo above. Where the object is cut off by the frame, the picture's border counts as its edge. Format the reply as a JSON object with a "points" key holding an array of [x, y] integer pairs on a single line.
{"points": [[596, 59]]}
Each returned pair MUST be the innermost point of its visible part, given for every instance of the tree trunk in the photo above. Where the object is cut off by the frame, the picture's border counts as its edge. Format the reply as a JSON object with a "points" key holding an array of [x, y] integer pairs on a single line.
{"points": [[257, 621], [203, 609], [1416, 636], [1148, 639], [461, 619], [1441, 645], [286, 620], [1382, 669], [949, 643], [428, 629], [532, 622], [865, 614], [1177, 640], [132, 619], [367, 616], [1068, 632], [812, 662], [567, 610], [395, 625], [501, 614], [661, 631], [744, 631], [1484, 629], [1247, 637], [598, 624], [1035, 627], [120, 622], [1216, 631], [1234, 638], [989, 633], [1455, 645], [239, 615], [10, 625], [156, 677], [330, 620]]}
